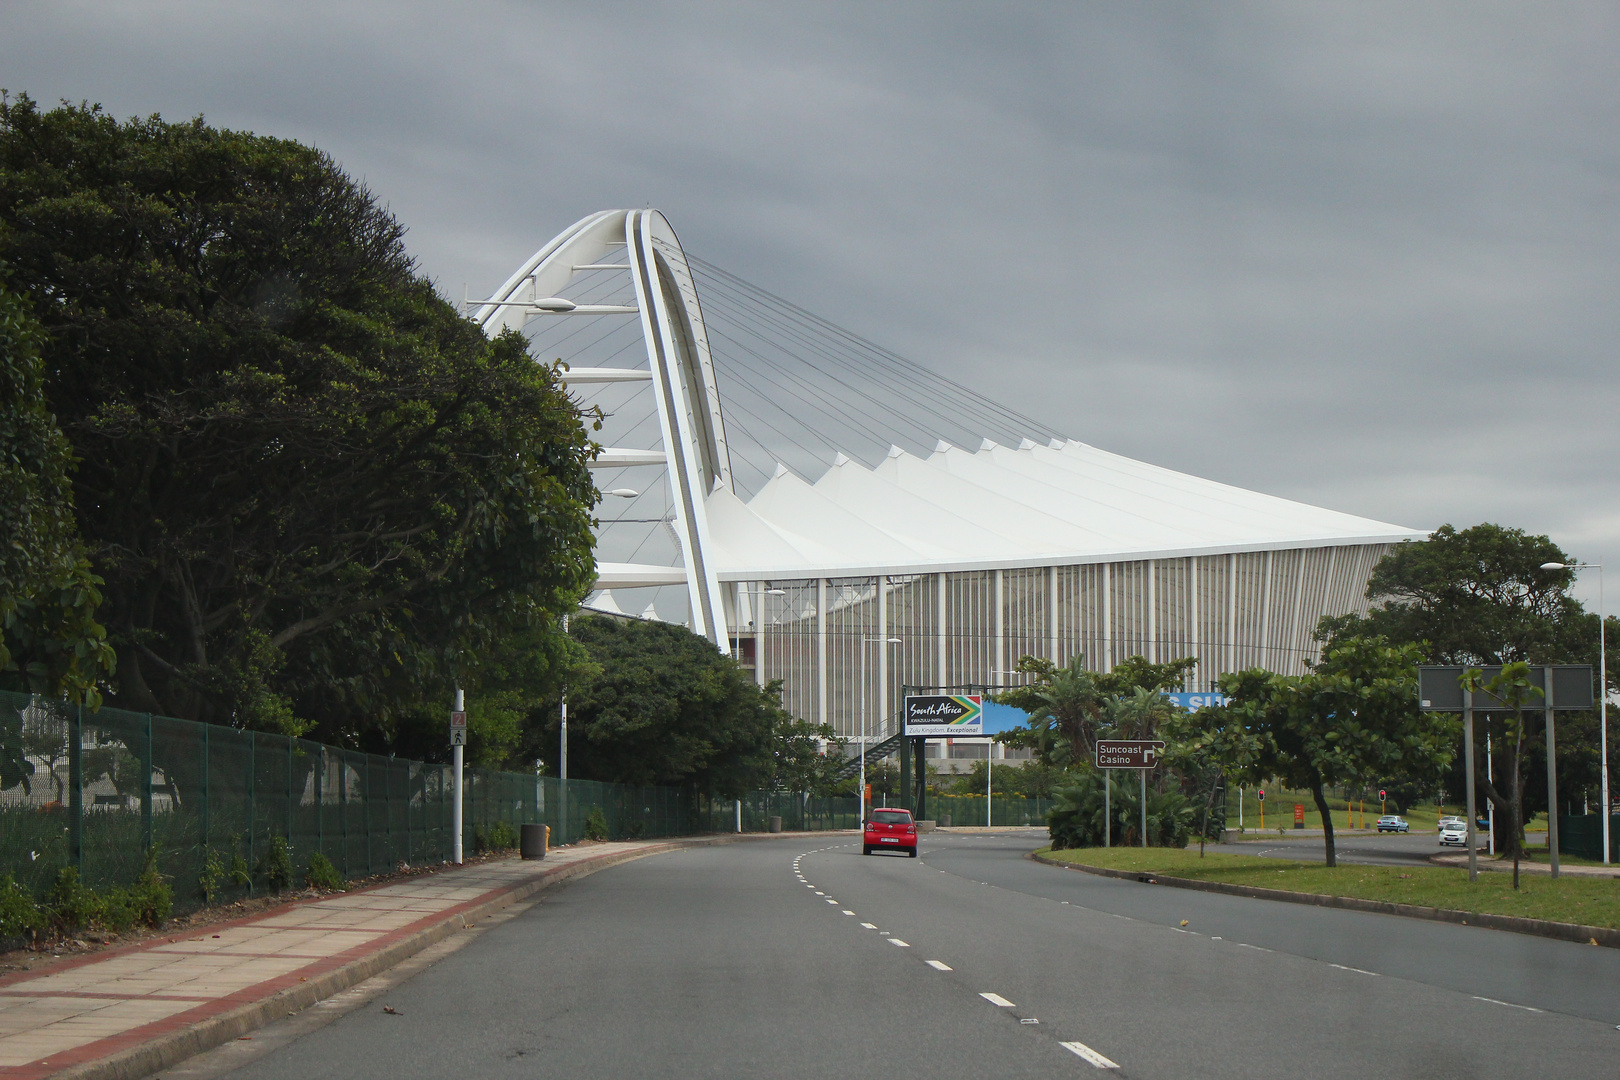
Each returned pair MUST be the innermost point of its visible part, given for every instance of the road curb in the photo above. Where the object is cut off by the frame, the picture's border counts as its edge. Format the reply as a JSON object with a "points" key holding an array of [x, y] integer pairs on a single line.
{"points": [[1575, 932], [170, 1049]]}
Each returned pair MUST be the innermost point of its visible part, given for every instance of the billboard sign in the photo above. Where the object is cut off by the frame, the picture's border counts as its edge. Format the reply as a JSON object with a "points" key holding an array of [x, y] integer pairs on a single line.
{"points": [[1193, 702], [948, 715], [1439, 688]]}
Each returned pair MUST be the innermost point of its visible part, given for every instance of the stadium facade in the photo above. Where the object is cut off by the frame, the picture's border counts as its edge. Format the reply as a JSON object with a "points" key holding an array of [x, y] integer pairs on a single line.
{"points": [[938, 568]]}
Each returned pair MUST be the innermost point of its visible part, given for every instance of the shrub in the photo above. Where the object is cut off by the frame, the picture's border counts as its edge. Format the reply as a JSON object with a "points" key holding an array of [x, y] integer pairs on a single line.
{"points": [[596, 825], [322, 874], [20, 915], [150, 896], [1076, 820], [275, 867], [498, 837], [211, 881], [71, 904]]}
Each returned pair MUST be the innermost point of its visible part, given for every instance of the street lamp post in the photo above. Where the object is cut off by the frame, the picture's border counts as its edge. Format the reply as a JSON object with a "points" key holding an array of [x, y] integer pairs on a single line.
{"points": [[1603, 700], [860, 792]]}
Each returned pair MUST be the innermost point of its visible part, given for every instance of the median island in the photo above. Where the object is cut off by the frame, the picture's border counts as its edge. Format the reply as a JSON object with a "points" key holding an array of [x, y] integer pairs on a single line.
{"points": [[1583, 901]]}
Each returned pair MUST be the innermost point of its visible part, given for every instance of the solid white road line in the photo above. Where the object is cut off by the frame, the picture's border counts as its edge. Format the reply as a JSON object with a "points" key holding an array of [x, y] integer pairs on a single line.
{"points": [[997, 999], [939, 966], [1509, 1004], [1090, 1055], [1358, 971]]}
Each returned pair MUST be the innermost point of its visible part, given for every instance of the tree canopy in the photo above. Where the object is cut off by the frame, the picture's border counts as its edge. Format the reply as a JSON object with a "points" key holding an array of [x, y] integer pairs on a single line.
{"points": [[661, 705], [1071, 707], [50, 641], [1354, 717], [314, 491], [1479, 596], [1474, 596]]}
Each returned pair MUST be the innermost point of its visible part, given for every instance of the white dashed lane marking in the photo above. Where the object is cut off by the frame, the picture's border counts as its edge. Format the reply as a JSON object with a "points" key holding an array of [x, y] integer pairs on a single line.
{"points": [[869, 926], [1091, 1056], [897, 941], [939, 965], [997, 1000]]}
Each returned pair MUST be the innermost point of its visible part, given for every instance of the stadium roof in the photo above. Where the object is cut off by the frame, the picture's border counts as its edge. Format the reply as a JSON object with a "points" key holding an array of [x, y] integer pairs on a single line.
{"points": [[1002, 507]]}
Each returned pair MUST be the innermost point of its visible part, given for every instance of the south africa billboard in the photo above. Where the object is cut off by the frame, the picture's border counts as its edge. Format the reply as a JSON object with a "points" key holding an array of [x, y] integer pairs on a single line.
{"points": [[947, 715]]}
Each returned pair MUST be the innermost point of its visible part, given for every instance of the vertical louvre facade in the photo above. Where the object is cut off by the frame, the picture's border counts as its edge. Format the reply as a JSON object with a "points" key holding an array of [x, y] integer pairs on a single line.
{"points": [[829, 640]]}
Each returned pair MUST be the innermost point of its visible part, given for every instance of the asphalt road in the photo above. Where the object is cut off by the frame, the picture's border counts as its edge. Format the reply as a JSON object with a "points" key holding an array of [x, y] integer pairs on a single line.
{"points": [[798, 957]]}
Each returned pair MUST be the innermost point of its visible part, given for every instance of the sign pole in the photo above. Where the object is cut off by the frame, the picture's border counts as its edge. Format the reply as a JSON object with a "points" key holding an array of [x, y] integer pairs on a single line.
{"points": [[1108, 808], [1142, 776], [1603, 718], [458, 733], [1468, 774], [1552, 777]]}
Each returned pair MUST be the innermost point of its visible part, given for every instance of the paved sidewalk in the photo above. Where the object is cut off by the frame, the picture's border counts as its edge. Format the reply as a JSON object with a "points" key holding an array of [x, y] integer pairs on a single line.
{"points": [[132, 1010], [1496, 864]]}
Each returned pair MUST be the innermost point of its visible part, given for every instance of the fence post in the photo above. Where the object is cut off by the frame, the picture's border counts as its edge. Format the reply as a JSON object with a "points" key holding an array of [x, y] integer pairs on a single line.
{"points": [[146, 789], [320, 803], [365, 810], [205, 756], [76, 789], [343, 806], [288, 738], [253, 747]]}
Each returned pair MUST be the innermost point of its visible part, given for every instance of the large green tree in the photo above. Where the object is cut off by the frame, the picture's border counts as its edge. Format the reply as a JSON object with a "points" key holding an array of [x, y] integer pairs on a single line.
{"points": [[314, 491], [50, 641], [660, 705], [1479, 596], [1352, 718], [1474, 596]]}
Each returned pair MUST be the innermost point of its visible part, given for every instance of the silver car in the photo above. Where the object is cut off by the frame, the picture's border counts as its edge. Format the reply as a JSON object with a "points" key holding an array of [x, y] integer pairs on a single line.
{"points": [[1393, 823]]}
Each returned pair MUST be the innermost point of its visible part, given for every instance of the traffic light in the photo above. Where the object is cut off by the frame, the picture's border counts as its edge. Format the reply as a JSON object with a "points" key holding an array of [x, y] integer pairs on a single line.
{"points": [[1262, 796], [1381, 795]]}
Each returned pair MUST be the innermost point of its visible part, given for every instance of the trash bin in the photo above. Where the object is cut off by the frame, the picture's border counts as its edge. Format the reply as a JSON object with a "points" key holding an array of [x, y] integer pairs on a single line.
{"points": [[534, 841], [944, 821], [776, 823]]}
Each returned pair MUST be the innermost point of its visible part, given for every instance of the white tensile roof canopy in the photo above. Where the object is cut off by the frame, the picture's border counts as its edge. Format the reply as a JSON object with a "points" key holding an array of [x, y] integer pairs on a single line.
{"points": [[1002, 507]]}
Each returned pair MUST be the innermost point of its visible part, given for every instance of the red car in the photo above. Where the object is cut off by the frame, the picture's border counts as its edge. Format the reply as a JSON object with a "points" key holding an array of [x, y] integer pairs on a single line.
{"points": [[890, 828]]}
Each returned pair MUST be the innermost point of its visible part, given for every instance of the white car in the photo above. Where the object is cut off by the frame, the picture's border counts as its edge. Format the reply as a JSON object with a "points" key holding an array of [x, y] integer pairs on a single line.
{"points": [[1393, 823], [1454, 832]]}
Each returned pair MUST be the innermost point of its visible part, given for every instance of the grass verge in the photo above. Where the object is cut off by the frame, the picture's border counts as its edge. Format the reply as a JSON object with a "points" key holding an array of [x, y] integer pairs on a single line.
{"points": [[1587, 901]]}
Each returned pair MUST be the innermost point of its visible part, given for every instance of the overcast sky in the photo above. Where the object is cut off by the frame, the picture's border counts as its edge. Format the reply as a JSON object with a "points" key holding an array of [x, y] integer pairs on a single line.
{"points": [[1362, 255]]}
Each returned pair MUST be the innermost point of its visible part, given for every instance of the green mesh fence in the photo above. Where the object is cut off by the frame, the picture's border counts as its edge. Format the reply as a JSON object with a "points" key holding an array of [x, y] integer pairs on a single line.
{"points": [[98, 789], [1004, 810]]}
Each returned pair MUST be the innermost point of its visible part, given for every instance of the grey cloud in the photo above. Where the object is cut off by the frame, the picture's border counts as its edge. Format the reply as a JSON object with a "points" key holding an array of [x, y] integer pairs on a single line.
{"points": [[1361, 255]]}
